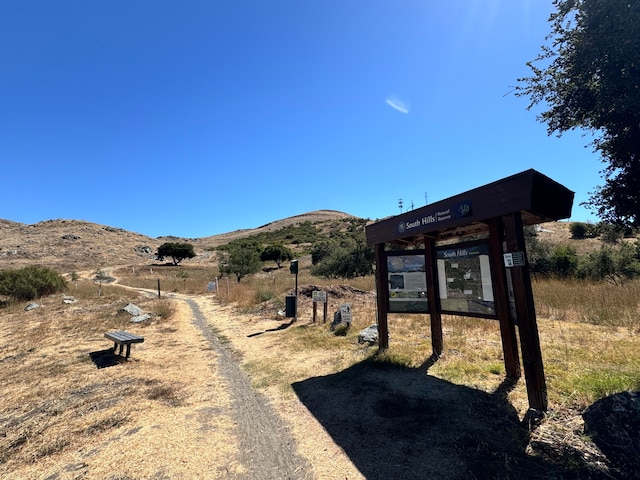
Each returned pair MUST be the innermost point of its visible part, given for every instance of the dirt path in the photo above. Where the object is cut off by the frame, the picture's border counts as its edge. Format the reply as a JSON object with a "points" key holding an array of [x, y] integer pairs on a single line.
{"points": [[268, 449]]}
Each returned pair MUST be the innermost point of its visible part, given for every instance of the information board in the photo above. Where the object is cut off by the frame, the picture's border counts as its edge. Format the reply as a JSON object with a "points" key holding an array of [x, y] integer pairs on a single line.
{"points": [[319, 296], [464, 280], [407, 281]]}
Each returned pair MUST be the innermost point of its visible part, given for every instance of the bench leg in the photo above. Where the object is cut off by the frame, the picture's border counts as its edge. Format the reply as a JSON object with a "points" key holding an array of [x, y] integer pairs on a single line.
{"points": [[128, 349], [115, 346]]}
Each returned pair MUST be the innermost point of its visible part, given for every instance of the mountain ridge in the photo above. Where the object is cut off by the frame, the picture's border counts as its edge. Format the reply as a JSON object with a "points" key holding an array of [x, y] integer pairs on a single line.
{"points": [[69, 245]]}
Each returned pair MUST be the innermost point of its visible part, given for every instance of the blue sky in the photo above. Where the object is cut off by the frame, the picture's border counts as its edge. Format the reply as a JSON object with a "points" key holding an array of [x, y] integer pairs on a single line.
{"points": [[192, 118]]}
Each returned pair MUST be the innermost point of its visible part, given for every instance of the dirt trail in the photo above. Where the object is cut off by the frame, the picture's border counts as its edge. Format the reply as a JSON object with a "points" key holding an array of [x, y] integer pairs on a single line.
{"points": [[268, 449]]}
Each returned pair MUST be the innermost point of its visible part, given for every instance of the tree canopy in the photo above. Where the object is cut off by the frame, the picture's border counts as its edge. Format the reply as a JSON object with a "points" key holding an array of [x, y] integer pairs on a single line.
{"points": [[240, 259], [588, 77], [177, 251], [276, 253]]}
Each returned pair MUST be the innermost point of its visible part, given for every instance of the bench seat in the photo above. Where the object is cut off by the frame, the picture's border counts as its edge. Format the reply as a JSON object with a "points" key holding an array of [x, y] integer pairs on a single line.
{"points": [[122, 339]]}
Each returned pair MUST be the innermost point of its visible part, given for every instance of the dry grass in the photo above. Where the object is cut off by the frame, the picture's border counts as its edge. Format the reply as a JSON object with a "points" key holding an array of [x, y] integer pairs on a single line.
{"points": [[583, 361], [589, 302], [62, 417]]}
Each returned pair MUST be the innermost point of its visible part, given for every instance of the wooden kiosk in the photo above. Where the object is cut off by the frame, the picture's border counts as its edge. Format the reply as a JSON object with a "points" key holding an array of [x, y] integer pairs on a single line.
{"points": [[466, 255]]}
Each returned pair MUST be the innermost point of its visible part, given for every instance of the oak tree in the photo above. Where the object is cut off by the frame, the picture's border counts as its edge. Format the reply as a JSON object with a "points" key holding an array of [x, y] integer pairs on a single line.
{"points": [[177, 251], [587, 77]]}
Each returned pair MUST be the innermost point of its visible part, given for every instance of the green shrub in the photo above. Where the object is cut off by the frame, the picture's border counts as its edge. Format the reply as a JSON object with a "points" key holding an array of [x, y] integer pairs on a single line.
{"points": [[578, 230], [564, 260], [30, 282]]}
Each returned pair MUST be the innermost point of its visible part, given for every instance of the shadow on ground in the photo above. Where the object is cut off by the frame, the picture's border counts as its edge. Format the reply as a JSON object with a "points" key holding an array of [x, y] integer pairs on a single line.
{"points": [[401, 423], [106, 358], [282, 326]]}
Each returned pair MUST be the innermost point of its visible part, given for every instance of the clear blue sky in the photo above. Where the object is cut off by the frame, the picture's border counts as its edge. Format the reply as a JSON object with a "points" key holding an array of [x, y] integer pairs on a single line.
{"points": [[193, 118]]}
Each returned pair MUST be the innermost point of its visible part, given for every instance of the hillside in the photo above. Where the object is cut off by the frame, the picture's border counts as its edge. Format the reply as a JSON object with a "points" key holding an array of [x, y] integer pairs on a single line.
{"points": [[68, 245]]}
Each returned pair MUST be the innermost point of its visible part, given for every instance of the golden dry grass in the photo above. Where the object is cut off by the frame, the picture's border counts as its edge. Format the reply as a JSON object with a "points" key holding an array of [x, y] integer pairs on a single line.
{"points": [[166, 412], [163, 414]]}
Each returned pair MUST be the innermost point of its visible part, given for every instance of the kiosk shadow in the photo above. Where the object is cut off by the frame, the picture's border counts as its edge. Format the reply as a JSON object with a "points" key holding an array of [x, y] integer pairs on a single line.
{"points": [[399, 423], [282, 326], [106, 358]]}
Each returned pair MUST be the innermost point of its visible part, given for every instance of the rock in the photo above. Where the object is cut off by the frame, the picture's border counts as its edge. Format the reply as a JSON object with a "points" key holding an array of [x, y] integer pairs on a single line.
{"points": [[613, 422], [132, 309], [143, 249], [68, 299], [70, 236], [369, 335], [31, 306], [140, 318]]}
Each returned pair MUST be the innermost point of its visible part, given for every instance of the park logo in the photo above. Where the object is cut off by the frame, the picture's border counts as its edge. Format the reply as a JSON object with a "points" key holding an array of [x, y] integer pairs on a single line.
{"points": [[464, 209]]}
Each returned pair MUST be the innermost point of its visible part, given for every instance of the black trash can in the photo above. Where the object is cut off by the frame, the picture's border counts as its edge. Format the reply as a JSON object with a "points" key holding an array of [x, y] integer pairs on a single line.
{"points": [[290, 304]]}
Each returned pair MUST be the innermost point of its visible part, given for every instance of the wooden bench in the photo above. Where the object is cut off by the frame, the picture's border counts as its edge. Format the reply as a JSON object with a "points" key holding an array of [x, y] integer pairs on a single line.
{"points": [[122, 339]]}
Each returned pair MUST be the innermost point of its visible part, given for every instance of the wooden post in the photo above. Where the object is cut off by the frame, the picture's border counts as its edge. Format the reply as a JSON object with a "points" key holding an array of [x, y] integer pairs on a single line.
{"points": [[507, 326], [158, 288], [315, 311], [525, 311], [324, 310], [382, 297], [433, 295]]}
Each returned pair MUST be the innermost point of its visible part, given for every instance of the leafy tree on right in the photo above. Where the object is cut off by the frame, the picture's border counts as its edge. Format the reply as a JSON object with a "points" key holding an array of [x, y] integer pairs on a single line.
{"points": [[588, 77]]}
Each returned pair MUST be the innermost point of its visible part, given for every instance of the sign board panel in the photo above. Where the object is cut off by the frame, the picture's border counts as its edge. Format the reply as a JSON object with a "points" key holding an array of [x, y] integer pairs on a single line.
{"points": [[319, 296], [407, 280], [345, 313], [464, 278]]}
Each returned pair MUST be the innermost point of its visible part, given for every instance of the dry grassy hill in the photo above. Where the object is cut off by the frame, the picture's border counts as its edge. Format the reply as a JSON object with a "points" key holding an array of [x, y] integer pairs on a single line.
{"points": [[72, 245]]}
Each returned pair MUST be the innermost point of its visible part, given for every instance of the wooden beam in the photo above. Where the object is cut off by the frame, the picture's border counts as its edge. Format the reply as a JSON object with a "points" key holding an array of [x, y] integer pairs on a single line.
{"points": [[382, 298], [526, 316], [434, 296], [503, 308]]}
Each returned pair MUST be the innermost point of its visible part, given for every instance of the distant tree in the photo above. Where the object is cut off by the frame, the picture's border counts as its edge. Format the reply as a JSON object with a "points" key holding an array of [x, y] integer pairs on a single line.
{"points": [[276, 253], [538, 252], [564, 260], [241, 259], [588, 76], [614, 265], [177, 252], [74, 278], [351, 261], [578, 230], [321, 250]]}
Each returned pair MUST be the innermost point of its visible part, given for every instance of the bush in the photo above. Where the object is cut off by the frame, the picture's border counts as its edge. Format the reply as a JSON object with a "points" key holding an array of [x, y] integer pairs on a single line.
{"points": [[30, 282], [346, 262], [615, 265], [578, 230], [564, 260]]}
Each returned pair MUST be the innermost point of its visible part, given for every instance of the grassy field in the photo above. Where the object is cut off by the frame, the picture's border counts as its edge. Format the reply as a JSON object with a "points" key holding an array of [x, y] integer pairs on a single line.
{"points": [[590, 332], [589, 336]]}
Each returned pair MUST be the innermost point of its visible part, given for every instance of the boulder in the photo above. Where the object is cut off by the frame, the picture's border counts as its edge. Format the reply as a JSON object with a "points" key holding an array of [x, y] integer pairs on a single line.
{"points": [[132, 309], [68, 299], [613, 422], [140, 318], [31, 306], [369, 335]]}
